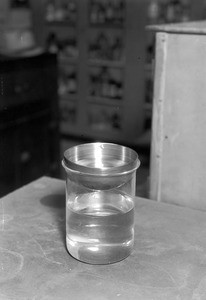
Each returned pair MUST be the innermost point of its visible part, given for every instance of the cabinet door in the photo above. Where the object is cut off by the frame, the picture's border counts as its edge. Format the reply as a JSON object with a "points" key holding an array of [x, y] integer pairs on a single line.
{"points": [[33, 150]]}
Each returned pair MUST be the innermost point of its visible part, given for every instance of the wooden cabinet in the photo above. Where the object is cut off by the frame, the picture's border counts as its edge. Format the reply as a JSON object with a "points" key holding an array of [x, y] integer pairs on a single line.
{"points": [[29, 143], [101, 55]]}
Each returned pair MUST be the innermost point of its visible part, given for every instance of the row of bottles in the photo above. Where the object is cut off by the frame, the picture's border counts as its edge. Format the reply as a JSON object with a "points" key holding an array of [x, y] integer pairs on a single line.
{"points": [[61, 11], [107, 11], [66, 47], [99, 117], [104, 84], [161, 11], [104, 47], [103, 117]]}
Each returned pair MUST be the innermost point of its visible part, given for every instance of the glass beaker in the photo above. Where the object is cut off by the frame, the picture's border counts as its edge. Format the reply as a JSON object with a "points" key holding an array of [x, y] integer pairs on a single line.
{"points": [[100, 187]]}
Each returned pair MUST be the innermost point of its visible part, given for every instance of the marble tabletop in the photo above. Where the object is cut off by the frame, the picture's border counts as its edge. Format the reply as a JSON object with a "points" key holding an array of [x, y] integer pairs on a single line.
{"points": [[168, 261]]}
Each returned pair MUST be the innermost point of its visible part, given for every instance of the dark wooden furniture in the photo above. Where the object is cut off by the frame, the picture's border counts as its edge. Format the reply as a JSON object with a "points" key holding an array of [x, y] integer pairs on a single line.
{"points": [[29, 145]]}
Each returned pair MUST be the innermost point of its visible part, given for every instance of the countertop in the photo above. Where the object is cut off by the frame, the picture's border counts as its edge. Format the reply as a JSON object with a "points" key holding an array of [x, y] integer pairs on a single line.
{"points": [[192, 27], [168, 261]]}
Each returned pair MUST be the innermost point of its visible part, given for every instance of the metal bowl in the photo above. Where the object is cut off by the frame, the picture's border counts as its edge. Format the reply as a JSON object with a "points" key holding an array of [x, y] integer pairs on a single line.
{"points": [[100, 165]]}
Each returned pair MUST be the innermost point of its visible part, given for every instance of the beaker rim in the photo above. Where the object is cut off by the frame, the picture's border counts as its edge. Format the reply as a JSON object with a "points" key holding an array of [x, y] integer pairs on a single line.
{"points": [[101, 159]]}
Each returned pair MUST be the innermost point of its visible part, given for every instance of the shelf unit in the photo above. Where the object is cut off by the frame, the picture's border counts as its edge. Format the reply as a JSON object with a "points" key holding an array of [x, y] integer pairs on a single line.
{"points": [[101, 53]]}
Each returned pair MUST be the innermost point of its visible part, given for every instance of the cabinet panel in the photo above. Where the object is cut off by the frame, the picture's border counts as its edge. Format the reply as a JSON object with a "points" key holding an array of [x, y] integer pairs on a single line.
{"points": [[8, 157], [24, 153], [29, 137], [33, 158], [22, 81]]}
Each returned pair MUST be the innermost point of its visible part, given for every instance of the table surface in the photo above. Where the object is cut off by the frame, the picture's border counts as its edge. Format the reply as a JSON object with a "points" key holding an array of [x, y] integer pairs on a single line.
{"points": [[192, 27], [168, 261]]}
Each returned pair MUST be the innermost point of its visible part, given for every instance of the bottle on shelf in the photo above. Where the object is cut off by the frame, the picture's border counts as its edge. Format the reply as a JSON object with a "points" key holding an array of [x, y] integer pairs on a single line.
{"points": [[95, 85], [153, 11], [168, 11], [63, 11], [94, 12], [50, 11], [71, 83], [52, 44], [102, 84], [103, 48], [101, 14], [120, 12], [104, 79], [117, 48], [70, 10], [68, 48], [93, 51], [107, 12], [59, 13], [67, 82]]}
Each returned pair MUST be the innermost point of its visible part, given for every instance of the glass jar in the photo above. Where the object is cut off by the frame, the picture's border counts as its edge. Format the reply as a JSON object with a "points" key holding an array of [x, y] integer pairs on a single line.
{"points": [[100, 190]]}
